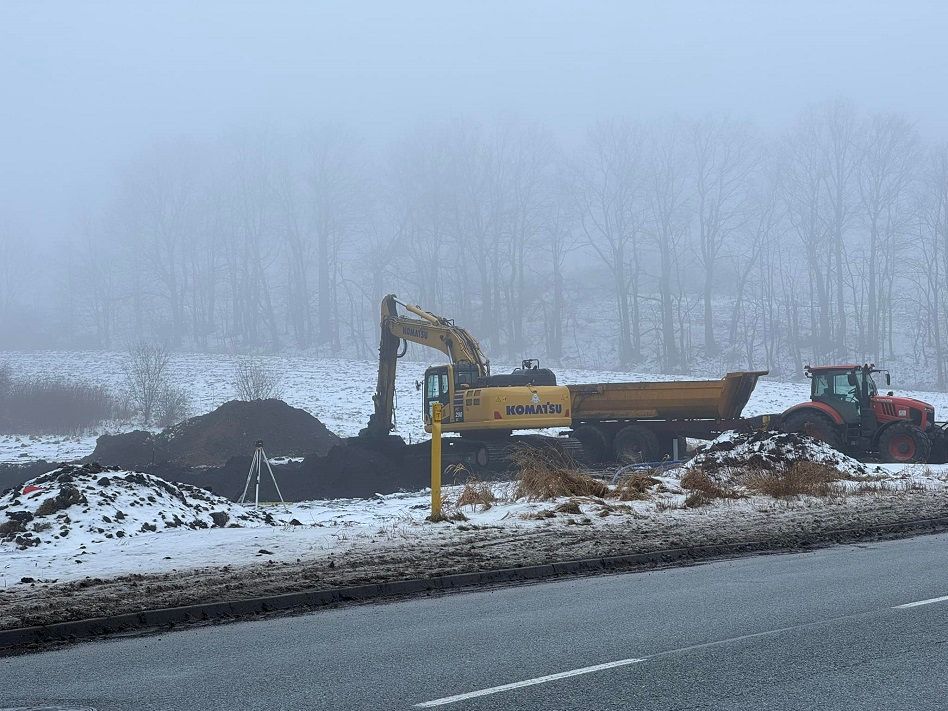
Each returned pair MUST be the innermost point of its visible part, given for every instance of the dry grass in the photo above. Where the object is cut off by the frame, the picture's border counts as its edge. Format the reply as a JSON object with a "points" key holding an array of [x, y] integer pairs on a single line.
{"points": [[546, 474], [801, 478], [476, 493], [701, 487], [634, 487], [569, 507]]}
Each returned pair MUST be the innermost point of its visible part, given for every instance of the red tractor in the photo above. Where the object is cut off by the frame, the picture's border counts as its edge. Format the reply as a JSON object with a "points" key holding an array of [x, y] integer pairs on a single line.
{"points": [[847, 412]]}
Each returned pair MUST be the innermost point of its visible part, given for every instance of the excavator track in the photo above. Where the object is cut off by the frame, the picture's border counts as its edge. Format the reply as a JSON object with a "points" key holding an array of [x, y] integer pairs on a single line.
{"points": [[499, 452]]}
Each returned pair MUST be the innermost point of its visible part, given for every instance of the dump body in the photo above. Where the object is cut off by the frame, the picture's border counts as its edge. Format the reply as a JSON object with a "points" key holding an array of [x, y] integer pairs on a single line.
{"points": [[722, 399]]}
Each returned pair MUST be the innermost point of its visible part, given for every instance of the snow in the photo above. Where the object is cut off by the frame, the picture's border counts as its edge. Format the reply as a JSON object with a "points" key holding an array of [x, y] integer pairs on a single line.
{"points": [[334, 527], [79, 507], [337, 391], [773, 451]]}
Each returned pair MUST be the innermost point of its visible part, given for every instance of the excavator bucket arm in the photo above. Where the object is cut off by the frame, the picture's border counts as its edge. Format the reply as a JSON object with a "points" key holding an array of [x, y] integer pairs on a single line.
{"points": [[428, 330]]}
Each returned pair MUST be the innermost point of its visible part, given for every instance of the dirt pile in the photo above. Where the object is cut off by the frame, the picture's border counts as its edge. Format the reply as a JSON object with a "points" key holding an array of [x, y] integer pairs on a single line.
{"points": [[211, 440], [84, 505], [746, 452]]}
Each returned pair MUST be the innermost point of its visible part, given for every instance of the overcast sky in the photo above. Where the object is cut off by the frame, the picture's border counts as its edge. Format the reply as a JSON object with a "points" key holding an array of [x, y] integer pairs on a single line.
{"points": [[87, 85]]}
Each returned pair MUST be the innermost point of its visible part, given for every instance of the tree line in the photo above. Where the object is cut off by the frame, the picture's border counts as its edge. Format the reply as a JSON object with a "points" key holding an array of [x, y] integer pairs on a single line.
{"points": [[677, 246]]}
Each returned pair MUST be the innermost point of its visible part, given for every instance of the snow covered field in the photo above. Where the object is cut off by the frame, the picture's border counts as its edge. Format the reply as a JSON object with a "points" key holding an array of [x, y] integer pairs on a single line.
{"points": [[337, 391]]}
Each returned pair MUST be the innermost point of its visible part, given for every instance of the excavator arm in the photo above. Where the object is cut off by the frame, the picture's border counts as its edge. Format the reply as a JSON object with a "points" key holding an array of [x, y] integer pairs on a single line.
{"points": [[428, 330]]}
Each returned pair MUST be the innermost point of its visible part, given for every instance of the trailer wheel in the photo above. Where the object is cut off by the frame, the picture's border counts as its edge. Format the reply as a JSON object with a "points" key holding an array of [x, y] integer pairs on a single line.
{"points": [[635, 444], [595, 445], [815, 424], [903, 442]]}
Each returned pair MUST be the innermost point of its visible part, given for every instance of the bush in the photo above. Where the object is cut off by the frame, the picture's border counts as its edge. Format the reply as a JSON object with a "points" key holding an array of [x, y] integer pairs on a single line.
{"points": [[6, 381], [173, 406], [53, 406], [255, 381]]}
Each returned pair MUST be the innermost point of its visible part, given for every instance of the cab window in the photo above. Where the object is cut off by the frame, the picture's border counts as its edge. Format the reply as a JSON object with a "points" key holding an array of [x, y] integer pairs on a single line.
{"points": [[436, 386], [835, 385]]}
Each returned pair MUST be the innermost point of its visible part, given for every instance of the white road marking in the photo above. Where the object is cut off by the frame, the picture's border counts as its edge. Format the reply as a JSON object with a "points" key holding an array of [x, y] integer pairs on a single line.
{"points": [[528, 682], [929, 601]]}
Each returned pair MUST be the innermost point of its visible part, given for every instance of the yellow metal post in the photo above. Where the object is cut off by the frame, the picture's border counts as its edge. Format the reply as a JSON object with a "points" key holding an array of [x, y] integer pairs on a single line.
{"points": [[436, 461]]}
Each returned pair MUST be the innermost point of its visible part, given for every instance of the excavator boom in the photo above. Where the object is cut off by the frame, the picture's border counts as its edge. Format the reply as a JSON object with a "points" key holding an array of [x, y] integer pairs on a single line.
{"points": [[427, 329]]}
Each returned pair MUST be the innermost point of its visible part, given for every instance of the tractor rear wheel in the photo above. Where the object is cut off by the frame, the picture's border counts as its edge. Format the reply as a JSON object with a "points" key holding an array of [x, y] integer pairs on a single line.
{"points": [[635, 444], [903, 442], [595, 444], [815, 424]]}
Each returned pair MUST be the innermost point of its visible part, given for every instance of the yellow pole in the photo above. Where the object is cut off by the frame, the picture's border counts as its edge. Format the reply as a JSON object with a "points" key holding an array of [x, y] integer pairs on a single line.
{"points": [[436, 462]]}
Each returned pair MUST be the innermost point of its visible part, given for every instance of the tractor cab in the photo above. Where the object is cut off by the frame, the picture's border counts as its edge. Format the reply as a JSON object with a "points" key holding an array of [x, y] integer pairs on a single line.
{"points": [[847, 389]]}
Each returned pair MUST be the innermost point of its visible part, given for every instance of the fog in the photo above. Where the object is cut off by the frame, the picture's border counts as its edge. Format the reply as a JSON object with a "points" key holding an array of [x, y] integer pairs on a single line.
{"points": [[105, 103]]}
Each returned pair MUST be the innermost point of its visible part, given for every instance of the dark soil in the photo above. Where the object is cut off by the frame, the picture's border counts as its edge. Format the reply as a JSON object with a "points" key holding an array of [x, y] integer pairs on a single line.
{"points": [[214, 451], [211, 440]]}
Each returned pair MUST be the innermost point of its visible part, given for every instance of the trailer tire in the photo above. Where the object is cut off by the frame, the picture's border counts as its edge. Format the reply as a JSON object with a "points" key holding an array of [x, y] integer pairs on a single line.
{"points": [[635, 444], [595, 444], [904, 443], [815, 424]]}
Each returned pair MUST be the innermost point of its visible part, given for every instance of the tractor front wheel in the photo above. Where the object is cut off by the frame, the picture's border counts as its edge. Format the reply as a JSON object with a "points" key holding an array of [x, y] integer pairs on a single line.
{"points": [[815, 424], [905, 443]]}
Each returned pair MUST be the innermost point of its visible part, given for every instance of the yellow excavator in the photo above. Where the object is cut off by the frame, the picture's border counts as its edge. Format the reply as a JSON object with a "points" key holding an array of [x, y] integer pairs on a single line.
{"points": [[483, 408]]}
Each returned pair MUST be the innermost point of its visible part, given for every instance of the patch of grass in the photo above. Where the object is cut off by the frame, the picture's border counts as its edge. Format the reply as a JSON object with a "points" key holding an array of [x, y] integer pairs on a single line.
{"points": [[702, 488], [799, 479], [634, 487], [476, 493], [569, 507], [547, 473], [699, 498]]}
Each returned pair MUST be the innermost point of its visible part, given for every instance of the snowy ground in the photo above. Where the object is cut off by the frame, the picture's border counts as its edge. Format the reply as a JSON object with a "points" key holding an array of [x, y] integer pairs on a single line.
{"points": [[337, 391], [339, 527]]}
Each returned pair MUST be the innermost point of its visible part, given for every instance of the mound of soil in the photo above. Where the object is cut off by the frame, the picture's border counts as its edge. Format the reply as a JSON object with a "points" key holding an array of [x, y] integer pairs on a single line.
{"points": [[744, 452], [211, 440], [84, 505]]}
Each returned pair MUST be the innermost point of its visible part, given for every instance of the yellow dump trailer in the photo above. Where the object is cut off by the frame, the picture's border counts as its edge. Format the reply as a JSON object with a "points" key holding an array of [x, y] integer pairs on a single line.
{"points": [[674, 399], [649, 420]]}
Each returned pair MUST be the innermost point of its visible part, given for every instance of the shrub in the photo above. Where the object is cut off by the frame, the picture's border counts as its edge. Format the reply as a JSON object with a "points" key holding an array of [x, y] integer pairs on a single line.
{"points": [[548, 473], [53, 406], [172, 406], [6, 381], [253, 380]]}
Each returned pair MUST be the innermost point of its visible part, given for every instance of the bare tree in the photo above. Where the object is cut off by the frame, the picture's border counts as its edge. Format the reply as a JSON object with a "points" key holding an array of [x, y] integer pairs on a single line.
{"points": [[722, 161], [146, 376], [668, 217], [885, 171], [609, 206]]}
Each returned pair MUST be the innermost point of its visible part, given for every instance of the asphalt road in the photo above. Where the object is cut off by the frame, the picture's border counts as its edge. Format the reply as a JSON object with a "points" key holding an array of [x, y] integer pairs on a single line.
{"points": [[820, 630]]}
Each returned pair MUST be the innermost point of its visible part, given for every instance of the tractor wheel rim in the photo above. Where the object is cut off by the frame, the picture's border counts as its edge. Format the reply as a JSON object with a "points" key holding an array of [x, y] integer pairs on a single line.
{"points": [[902, 447]]}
